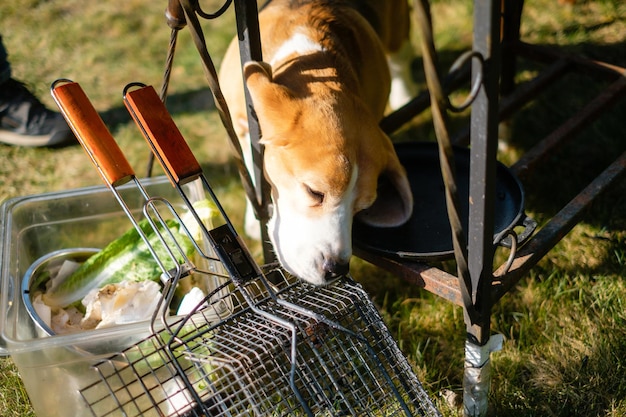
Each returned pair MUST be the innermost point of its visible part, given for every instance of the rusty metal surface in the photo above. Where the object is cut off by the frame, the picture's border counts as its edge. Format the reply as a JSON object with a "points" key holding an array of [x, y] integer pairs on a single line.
{"points": [[522, 95], [446, 285], [587, 66], [432, 279]]}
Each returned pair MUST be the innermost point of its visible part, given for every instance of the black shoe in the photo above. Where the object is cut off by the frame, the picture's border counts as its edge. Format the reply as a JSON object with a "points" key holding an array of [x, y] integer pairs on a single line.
{"points": [[25, 121]]}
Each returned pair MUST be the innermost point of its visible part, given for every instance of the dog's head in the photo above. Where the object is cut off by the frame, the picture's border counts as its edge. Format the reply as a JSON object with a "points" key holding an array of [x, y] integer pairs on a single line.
{"points": [[325, 163]]}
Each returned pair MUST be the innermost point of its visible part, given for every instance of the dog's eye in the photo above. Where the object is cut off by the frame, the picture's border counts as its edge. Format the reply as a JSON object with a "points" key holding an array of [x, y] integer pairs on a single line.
{"points": [[316, 196]]}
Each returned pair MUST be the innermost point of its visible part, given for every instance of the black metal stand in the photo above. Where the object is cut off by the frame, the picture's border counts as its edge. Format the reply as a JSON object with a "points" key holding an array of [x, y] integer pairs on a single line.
{"points": [[496, 37]]}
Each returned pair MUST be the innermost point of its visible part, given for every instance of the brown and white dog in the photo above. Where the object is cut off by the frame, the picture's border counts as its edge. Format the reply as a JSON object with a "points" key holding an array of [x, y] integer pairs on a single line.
{"points": [[319, 96]]}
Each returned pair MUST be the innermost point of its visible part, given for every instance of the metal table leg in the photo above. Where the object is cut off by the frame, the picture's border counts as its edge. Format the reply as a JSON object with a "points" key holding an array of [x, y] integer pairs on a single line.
{"points": [[483, 138]]}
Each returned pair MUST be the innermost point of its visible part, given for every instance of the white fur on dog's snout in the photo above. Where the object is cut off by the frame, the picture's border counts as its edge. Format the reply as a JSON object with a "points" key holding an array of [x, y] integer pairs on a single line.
{"points": [[307, 243], [303, 245]]}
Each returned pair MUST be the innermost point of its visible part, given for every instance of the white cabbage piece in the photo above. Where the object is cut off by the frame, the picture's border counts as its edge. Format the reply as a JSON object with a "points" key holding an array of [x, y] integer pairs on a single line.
{"points": [[190, 301], [67, 320], [67, 268], [121, 303], [43, 311]]}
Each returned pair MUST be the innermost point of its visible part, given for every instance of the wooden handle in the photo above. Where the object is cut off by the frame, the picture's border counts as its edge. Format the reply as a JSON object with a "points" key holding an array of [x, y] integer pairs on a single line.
{"points": [[92, 133], [161, 132]]}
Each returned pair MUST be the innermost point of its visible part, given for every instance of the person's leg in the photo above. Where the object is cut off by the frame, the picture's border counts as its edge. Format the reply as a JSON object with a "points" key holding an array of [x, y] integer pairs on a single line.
{"points": [[5, 67], [24, 120]]}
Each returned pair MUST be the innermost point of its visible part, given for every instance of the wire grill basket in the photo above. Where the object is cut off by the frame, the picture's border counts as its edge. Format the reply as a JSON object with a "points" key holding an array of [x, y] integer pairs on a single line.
{"points": [[283, 349]]}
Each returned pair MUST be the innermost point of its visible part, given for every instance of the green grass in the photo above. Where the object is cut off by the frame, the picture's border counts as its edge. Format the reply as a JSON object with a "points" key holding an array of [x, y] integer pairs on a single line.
{"points": [[564, 324]]}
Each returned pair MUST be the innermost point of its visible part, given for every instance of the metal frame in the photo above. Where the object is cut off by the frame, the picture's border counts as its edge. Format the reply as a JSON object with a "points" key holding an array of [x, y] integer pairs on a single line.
{"points": [[496, 23], [498, 100], [246, 12]]}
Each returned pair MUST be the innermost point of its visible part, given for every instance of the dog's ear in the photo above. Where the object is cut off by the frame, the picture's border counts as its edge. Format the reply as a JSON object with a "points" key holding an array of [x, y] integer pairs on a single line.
{"points": [[271, 100], [394, 200], [253, 68]]}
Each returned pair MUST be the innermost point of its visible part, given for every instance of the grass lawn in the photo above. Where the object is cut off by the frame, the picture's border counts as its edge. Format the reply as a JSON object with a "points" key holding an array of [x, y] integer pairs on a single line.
{"points": [[564, 323]]}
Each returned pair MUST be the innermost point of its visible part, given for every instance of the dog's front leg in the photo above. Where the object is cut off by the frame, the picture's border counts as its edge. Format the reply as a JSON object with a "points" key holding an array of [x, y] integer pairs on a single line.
{"points": [[252, 226], [403, 87]]}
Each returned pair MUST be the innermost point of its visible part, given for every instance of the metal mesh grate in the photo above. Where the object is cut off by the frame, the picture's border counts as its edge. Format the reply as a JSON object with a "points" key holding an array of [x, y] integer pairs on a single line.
{"points": [[282, 349]]}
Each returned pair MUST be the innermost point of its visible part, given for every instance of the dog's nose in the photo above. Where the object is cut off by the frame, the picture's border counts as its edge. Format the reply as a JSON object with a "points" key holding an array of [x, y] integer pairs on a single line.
{"points": [[334, 268]]}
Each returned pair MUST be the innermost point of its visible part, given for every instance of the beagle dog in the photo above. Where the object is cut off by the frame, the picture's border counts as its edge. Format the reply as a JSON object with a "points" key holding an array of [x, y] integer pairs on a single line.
{"points": [[324, 84]]}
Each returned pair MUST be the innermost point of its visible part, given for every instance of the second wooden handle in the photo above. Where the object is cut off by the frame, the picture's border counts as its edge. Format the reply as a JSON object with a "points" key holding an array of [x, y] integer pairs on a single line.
{"points": [[161, 132]]}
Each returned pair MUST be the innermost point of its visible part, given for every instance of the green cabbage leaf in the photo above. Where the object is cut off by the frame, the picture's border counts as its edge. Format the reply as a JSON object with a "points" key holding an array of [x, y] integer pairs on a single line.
{"points": [[126, 258]]}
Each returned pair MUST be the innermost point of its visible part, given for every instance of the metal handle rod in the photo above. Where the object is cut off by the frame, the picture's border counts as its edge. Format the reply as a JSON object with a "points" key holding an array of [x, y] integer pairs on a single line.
{"points": [[179, 163], [439, 105]]}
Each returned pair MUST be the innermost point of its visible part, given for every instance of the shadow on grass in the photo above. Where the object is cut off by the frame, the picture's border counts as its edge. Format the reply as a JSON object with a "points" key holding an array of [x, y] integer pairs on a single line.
{"points": [[185, 102]]}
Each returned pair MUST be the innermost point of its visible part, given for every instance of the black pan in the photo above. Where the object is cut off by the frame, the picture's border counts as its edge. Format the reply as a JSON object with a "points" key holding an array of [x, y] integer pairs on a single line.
{"points": [[427, 235]]}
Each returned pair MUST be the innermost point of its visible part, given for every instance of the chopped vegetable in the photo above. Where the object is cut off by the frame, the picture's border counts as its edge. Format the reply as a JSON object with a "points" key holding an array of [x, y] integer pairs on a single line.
{"points": [[125, 302], [119, 284], [190, 301], [207, 212], [125, 259]]}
